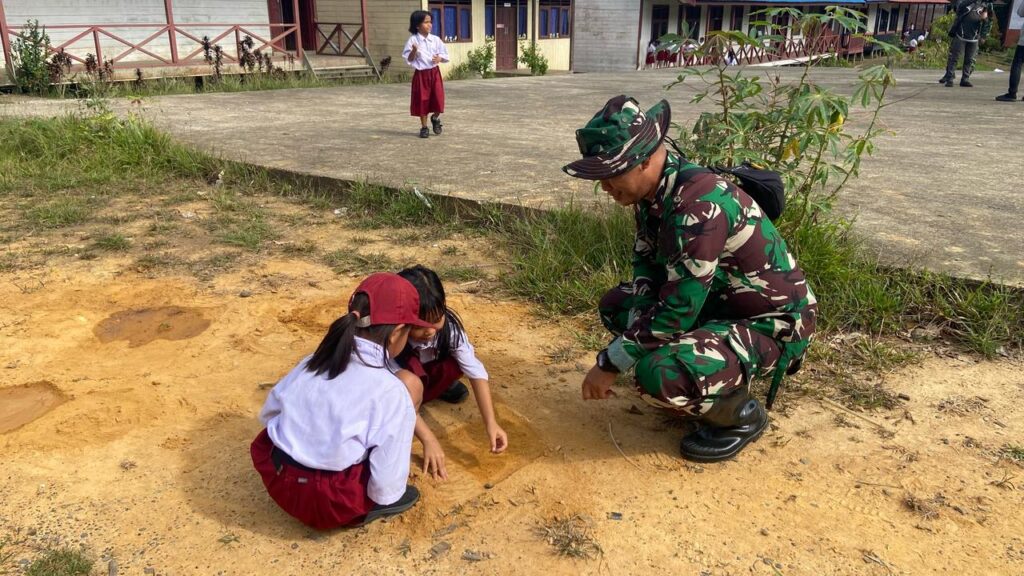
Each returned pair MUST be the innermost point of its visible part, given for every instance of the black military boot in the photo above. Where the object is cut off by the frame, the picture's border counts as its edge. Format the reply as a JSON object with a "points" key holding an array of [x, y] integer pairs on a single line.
{"points": [[732, 422]]}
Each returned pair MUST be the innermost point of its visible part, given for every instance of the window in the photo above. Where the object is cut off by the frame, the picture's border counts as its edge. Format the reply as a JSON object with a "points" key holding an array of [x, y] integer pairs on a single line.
{"points": [[659, 21], [716, 15], [522, 22], [882, 21], [453, 20], [489, 21], [736, 18], [553, 18], [689, 21]]}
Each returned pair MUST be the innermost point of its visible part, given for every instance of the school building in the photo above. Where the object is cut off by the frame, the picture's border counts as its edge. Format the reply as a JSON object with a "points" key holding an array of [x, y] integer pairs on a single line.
{"points": [[614, 34], [164, 37]]}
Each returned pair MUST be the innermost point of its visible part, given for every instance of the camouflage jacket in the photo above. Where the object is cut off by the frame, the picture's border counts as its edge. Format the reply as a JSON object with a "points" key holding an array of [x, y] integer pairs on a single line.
{"points": [[704, 251]]}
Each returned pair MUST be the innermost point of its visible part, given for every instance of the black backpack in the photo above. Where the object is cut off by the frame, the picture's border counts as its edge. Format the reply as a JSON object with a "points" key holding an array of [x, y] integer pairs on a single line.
{"points": [[764, 186]]}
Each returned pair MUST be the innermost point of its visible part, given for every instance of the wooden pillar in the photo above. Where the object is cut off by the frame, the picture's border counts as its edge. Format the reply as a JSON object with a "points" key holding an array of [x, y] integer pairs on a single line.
{"points": [[5, 41], [298, 28], [366, 27], [172, 36]]}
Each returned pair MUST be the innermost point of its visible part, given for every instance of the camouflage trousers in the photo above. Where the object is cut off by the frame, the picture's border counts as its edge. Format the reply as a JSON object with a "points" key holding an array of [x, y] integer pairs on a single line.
{"points": [[688, 374]]}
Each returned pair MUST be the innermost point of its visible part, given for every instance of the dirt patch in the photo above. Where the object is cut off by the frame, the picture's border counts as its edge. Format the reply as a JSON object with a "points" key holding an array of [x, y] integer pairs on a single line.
{"points": [[141, 327], [20, 405]]}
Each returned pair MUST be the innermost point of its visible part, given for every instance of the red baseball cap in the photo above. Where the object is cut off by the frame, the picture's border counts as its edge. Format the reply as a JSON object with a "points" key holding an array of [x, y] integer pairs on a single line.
{"points": [[393, 300]]}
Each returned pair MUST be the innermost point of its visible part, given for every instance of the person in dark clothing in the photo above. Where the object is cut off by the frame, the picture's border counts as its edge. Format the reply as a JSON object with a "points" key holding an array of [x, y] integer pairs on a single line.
{"points": [[972, 24], [1018, 62]]}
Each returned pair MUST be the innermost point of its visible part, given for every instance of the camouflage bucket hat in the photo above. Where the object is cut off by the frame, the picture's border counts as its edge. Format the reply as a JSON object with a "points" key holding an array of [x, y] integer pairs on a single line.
{"points": [[618, 138]]}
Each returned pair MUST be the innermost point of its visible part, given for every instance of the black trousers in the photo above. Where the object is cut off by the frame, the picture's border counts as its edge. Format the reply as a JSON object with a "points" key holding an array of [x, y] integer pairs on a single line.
{"points": [[1018, 63]]}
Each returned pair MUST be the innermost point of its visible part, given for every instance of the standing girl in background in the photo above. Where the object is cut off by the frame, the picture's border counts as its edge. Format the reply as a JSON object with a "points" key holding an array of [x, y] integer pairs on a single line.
{"points": [[424, 52], [335, 450], [439, 355]]}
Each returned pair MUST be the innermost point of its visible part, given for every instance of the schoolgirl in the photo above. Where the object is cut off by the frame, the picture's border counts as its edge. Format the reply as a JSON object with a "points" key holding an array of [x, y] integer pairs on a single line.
{"points": [[424, 52]]}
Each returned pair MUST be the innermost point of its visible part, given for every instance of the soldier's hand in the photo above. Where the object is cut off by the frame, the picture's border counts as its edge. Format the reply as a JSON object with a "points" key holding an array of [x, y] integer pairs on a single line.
{"points": [[598, 385]]}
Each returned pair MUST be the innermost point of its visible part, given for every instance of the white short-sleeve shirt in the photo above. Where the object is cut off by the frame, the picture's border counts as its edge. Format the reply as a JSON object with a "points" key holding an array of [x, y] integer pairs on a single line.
{"points": [[464, 354], [427, 47], [365, 412]]}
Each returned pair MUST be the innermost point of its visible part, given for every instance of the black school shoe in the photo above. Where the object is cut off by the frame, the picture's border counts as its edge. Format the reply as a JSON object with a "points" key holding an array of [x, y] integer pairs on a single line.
{"points": [[945, 79], [455, 394], [966, 84], [424, 132], [436, 123], [1006, 98], [411, 496]]}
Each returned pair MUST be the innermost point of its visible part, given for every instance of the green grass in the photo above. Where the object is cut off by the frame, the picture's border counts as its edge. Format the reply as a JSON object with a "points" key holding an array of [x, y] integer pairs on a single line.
{"points": [[227, 83], [59, 213], [64, 562], [113, 243], [347, 261], [96, 153], [562, 260], [1013, 452]]}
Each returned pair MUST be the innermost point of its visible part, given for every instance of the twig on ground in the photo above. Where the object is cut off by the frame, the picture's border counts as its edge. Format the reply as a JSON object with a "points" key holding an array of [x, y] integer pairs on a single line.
{"points": [[838, 406], [617, 447], [879, 485]]}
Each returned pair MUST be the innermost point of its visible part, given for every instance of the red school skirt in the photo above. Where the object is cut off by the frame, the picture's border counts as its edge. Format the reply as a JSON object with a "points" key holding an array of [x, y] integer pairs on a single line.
{"points": [[427, 92], [437, 376], [320, 499]]}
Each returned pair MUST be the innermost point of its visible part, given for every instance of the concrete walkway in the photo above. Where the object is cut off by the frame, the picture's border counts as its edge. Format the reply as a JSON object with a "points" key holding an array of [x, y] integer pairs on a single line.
{"points": [[944, 189]]}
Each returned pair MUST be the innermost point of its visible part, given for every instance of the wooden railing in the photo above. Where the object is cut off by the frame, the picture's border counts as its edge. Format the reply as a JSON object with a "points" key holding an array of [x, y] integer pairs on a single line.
{"points": [[103, 33], [823, 44], [331, 35]]}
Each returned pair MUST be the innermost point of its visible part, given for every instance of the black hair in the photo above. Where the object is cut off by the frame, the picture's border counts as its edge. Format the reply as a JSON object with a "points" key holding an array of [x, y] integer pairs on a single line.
{"points": [[433, 306], [335, 350], [416, 19]]}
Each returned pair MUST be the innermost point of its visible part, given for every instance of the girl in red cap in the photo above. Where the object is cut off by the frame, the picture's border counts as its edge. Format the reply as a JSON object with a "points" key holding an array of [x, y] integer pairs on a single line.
{"points": [[424, 51], [439, 354], [339, 426]]}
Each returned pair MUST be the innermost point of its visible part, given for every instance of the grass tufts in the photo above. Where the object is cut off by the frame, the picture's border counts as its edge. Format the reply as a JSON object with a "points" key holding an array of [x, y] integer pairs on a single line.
{"points": [[63, 562], [113, 243], [570, 536], [59, 213]]}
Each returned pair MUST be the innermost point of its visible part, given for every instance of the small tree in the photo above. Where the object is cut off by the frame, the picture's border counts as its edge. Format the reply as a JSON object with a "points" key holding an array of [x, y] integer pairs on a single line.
{"points": [[29, 51], [797, 129], [531, 55], [481, 60]]}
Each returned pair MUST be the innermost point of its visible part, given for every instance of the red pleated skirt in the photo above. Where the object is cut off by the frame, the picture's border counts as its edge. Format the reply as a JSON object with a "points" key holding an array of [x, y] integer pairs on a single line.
{"points": [[320, 499], [427, 92]]}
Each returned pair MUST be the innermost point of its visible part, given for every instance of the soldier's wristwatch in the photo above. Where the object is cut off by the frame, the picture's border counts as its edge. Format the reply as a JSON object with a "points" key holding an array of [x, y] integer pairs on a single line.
{"points": [[605, 363]]}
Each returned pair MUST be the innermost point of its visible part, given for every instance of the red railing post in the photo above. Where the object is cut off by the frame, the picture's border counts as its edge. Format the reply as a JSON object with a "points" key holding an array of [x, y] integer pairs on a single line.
{"points": [[298, 28], [96, 42], [172, 38], [366, 29], [5, 42]]}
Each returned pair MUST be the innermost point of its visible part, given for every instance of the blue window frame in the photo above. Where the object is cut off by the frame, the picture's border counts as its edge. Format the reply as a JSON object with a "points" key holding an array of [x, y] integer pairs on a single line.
{"points": [[453, 20], [522, 21], [554, 18], [489, 20]]}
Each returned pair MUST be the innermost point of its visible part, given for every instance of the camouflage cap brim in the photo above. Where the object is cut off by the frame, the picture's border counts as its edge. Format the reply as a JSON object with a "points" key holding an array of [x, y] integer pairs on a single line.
{"points": [[603, 166]]}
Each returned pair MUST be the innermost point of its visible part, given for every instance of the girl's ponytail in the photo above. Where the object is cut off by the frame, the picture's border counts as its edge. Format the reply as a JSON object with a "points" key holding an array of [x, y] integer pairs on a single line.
{"points": [[335, 350]]}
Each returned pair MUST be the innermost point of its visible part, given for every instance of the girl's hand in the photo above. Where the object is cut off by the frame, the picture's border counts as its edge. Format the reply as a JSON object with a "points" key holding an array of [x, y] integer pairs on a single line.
{"points": [[436, 59], [433, 461], [499, 439], [413, 53]]}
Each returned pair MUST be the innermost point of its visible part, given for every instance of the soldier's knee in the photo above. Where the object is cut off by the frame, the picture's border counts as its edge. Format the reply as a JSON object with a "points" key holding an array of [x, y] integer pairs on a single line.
{"points": [[413, 384]]}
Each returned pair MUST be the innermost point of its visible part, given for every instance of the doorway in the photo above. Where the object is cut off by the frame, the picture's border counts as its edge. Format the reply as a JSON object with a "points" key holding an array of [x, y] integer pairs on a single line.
{"points": [[506, 36], [283, 12]]}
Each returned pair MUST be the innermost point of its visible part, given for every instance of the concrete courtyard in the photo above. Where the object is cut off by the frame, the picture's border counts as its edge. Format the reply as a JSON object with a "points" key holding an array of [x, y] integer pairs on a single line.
{"points": [[943, 190]]}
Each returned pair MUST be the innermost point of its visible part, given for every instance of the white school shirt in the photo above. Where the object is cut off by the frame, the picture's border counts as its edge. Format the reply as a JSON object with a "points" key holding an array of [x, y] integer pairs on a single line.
{"points": [[426, 49], [332, 424], [464, 354]]}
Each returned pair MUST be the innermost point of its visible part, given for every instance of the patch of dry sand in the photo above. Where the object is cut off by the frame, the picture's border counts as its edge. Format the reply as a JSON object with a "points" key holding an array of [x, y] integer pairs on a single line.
{"points": [[147, 459]]}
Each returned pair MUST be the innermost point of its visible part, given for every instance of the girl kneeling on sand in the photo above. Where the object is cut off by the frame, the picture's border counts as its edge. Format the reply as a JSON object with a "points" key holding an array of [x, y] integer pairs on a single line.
{"points": [[339, 426], [439, 354]]}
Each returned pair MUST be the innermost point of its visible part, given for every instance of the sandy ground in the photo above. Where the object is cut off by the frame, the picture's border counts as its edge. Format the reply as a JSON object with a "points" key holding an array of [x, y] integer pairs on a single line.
{"points": [[129, 401]]}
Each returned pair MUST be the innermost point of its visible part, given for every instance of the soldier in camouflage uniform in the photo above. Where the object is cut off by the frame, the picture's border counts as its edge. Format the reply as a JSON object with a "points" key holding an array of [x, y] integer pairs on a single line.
{"points": [[716, 298]]}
